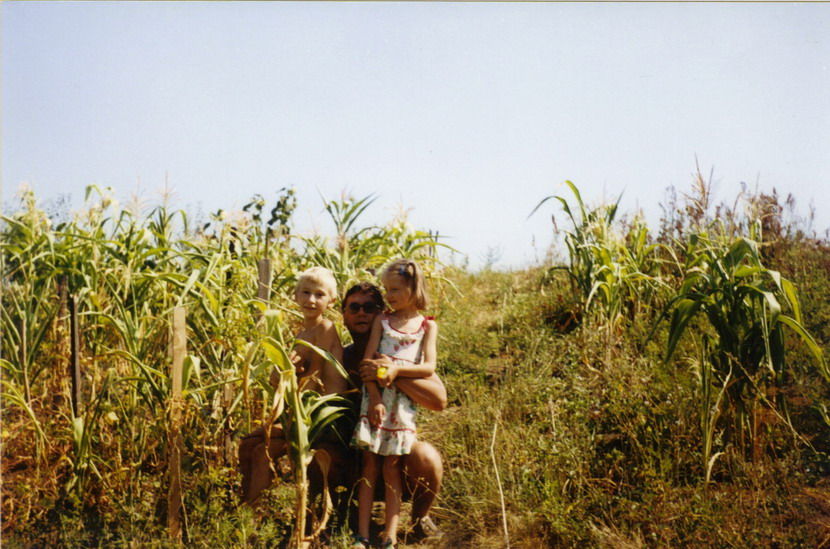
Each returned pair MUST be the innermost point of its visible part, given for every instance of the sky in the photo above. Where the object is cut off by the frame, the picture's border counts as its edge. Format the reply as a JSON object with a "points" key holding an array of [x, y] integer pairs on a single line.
{"points": [[466, 115]]}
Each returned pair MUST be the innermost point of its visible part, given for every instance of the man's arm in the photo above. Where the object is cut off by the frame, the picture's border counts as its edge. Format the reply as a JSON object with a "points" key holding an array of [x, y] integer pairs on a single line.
{"points": [[428, 392]]}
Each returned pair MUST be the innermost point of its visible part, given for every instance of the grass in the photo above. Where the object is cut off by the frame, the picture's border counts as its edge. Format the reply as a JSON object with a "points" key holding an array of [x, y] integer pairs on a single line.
{"points": [[593, 453]]}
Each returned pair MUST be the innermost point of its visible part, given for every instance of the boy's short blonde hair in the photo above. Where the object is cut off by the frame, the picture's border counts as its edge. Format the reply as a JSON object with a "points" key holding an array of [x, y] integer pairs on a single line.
{"points": [[321, 276]]}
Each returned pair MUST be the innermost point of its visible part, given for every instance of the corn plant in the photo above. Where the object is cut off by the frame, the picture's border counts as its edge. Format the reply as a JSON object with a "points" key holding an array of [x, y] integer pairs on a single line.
{"points": [[28, 248], [305, 415], [606, 270], [84, 461], [11, 393], [127, 269], [277, 224], [358, 253], [744, 333], [579, 240]]}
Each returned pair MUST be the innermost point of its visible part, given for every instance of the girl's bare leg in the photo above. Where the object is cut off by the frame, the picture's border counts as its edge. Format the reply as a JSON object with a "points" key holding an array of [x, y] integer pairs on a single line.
{"points": [[367, 490], [392, 480]]}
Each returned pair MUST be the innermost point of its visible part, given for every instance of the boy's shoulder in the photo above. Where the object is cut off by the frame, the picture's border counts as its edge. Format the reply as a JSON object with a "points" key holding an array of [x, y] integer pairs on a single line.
{"points": [[311, 335], [326, 324], [325, 328]]}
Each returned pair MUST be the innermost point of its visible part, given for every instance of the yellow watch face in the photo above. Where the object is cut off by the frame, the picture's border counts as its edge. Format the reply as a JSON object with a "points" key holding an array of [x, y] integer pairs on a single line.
{"points": [[381, 372]]}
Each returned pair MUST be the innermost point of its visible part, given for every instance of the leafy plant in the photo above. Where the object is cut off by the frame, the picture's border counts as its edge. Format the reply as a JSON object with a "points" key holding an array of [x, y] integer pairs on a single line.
{"points": [[744, 336], [305, 415], [616, 273]]}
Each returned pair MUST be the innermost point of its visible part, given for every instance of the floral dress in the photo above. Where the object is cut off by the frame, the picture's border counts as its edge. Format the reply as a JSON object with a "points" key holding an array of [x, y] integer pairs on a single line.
{"points": [[394, 437]]}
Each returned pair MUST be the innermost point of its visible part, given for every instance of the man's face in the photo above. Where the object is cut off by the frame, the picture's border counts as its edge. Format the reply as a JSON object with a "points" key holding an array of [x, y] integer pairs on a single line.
{"points": [[356, 318]]}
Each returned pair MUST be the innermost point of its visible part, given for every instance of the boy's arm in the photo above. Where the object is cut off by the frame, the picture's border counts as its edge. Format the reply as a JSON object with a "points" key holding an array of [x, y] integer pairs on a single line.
{"points": [[333, 382], [334, 345]]}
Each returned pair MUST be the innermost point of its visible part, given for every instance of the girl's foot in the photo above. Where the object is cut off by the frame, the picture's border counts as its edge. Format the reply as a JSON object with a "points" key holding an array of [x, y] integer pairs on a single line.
{"points": [[360, 542], [388, 544]]}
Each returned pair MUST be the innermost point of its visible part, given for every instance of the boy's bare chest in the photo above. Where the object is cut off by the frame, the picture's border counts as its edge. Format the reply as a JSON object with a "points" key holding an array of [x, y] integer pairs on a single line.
{"points": [[311, 361], [311, 335]]}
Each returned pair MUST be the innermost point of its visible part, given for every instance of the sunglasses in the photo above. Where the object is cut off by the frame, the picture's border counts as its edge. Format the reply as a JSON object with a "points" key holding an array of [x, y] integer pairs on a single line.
{"points": [[368, 307]]}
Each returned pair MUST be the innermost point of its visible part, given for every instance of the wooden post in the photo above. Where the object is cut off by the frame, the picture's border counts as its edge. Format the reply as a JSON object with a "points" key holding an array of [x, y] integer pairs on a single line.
{"points": [[75, 355], [264, 287], [22, 355], [174, 495], [63, 286], [63, 314], [228, 454]]}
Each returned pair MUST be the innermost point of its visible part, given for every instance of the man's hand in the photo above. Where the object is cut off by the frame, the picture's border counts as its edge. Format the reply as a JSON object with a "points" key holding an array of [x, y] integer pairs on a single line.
{"points": [[369, 370], [387, 375]]}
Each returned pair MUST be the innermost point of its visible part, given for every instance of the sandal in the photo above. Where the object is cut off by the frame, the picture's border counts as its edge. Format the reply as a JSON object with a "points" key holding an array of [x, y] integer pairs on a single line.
{"points": [[425, 528], [388, 544], [360, 542]]}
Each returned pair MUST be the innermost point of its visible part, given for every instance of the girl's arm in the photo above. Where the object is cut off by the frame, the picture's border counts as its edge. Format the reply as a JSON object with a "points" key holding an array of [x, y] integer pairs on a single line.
{"points": [[371, 347], [374, 338]]}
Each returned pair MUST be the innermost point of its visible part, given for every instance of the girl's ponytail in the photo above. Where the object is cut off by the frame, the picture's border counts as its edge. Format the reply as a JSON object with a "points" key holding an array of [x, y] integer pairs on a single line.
{"points": [[413, 274]]}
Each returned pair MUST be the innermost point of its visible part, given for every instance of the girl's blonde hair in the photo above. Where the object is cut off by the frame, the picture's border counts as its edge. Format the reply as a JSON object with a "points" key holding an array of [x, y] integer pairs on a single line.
{"points": [[321, 276], [414, 276]]}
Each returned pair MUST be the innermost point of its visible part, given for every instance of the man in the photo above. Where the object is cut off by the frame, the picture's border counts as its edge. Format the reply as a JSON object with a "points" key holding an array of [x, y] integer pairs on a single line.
{"points": [[422, 468]]}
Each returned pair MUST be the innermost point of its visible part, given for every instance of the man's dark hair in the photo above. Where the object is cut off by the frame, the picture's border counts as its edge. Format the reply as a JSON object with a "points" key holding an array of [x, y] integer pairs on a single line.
{"points": [[365, 288]]}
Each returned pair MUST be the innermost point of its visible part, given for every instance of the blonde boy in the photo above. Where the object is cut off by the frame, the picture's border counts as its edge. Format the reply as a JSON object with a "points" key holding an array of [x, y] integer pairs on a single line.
{"points": [[315, 292]]}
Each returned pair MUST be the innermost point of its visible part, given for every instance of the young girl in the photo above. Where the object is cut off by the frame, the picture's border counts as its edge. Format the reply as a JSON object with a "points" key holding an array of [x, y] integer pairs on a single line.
{"points": [[386, 426]]}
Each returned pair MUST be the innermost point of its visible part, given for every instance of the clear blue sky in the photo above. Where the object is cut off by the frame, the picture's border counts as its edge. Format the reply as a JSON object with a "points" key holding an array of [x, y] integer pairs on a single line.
{"points": [[468, 113]]}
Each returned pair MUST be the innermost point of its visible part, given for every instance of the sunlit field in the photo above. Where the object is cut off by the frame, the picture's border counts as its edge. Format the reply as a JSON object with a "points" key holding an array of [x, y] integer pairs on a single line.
{"points": [[660, 386]]}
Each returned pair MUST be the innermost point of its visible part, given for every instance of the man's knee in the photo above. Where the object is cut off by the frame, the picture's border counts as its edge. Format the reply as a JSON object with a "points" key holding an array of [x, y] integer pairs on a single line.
{"points": [[260, 453], [255, 438], [423, 473], [423, 463]]}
